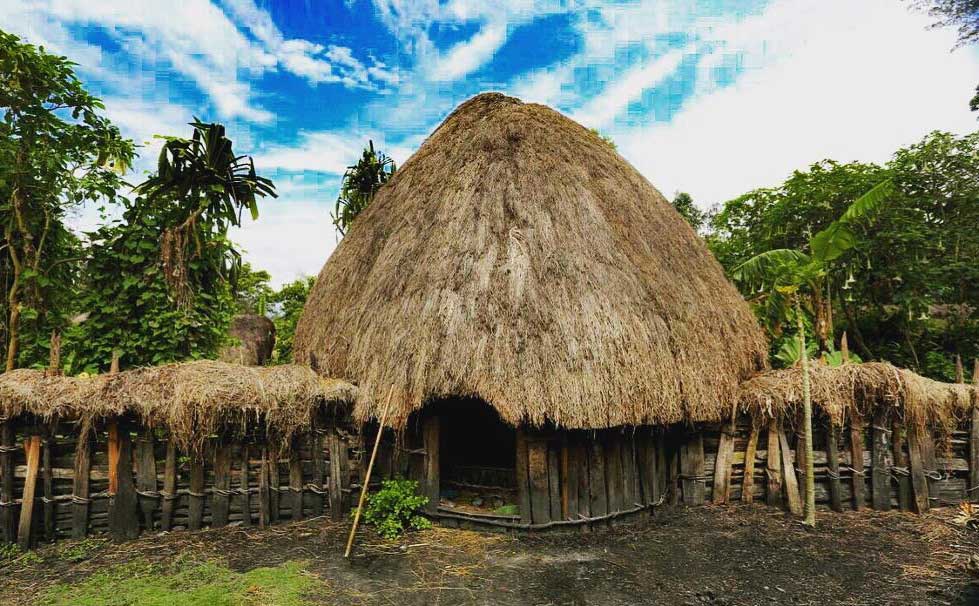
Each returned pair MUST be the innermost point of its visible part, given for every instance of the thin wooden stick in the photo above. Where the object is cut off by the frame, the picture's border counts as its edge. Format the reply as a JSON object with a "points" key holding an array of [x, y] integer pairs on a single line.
{"points": [[367, 476]]}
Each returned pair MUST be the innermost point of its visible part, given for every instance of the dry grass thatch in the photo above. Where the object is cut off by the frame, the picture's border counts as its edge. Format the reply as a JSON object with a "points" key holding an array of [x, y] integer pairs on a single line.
{"points": [[192, 400], [864, 389], [256, 339], [516, 257]]}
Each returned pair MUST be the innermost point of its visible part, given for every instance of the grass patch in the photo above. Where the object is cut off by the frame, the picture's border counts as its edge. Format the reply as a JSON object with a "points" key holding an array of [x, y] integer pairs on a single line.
{"points": [[187, 582]]}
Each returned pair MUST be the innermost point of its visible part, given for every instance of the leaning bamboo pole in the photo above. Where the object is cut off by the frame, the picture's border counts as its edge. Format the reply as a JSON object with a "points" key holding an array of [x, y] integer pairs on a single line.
{"points": [[367, 475]]}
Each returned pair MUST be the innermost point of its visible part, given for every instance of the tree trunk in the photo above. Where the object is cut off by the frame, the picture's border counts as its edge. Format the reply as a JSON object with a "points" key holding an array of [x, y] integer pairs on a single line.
{"points": [[809, 510]]}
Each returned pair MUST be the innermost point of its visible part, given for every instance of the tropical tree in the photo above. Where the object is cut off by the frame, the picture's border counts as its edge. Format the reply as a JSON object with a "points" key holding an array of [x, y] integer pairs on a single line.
{"points": [[792, 276], [286, 305], [56, 152], [960, 14], [360, 182], [683, 203], [159, 286]]}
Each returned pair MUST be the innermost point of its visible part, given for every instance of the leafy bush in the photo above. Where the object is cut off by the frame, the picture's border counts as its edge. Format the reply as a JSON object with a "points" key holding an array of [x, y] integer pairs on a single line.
{"points": [[394, 508]]}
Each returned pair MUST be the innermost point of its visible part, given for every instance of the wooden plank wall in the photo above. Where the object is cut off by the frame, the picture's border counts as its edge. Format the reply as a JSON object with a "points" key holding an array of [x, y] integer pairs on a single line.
{"points": [[581, 476], [155, 488]]}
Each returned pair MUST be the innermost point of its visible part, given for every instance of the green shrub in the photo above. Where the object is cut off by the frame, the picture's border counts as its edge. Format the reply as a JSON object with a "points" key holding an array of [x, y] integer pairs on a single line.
{"points": [[394, 508]]}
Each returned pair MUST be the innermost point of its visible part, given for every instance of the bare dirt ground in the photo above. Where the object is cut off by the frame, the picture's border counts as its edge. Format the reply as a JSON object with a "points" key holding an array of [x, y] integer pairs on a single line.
{"points": [[708, 555]]}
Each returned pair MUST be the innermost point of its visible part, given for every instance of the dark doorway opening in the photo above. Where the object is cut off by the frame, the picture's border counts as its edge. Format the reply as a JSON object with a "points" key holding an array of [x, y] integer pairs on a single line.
{"points": [[477, 457]]}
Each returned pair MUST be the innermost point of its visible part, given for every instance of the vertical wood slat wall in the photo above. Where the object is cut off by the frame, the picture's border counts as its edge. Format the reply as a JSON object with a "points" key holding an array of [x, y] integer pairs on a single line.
{"points": [[67, 475]]}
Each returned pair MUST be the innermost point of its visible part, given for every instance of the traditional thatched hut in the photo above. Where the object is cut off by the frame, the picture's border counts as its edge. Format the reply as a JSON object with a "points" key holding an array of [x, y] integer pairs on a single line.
{"points": [[253, 338], [517, 273]]}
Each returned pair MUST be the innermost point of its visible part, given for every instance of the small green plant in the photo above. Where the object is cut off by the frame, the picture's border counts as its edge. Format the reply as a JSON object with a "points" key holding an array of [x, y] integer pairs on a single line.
{"points": [[394, 508], [9, 552]]}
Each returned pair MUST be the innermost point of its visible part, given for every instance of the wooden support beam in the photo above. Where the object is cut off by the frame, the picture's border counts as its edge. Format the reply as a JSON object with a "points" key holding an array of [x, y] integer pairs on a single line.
{"points": [[597, 490], [318, 499], [773, 466], [221, 498], [722, 465], [554, 478], [431, 433], [244, 496], [630, 476], [792, 497], [540, 489], [581, 460], [973, 487], [902, 467], [195, 507], [339, 473], [613, 472], [264, 490], [8, 509], [523, 478], [169, 486], [32, 448], [80, 483], [833, 466], [146, 476], [692, 475], [569, 475], [932, 471], [47, 481], [112, 430], [919, 481], [274, 494], [665, 480], [646, 460], [881, 464], [296, 482], [750, 453], [856, 461], [800, 462], [123, 506]]}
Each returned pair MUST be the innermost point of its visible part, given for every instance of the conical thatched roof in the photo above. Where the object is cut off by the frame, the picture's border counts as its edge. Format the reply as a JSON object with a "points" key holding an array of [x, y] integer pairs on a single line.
{"points": [[518, 258]]}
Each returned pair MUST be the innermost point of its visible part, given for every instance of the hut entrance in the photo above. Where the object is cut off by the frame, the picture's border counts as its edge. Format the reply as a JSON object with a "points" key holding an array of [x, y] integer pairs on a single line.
{"points": [[477, 453]]}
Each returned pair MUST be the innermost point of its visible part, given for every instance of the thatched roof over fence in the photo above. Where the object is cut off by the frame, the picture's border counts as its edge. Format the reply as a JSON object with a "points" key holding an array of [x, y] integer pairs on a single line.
{"points": [[517, 258], [863, 388], [192, 400]]}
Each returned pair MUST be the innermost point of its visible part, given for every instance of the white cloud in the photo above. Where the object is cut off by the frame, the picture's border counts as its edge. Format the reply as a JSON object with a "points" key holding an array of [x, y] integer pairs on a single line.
{"points": [[468, 56], [292, 238], [855, 81]]}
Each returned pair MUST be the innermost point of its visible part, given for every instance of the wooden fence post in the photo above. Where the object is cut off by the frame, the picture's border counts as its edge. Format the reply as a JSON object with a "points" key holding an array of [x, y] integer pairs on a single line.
{"points": [[169, 485], [722, 465], [123, 508], [773, 466], [221, 495], [264, 490], [856, 460], [243, 488], [195, 502], [902, 468], [146, 476], [692, 468], [296, 481], [881, 466], [339, 473], [80, 483], [430, 437], [750, 453], [833, 466], [790, 483], [47, 479], [32, 447], [319, 471], [973, 494], [8, 511], [919, 480]]}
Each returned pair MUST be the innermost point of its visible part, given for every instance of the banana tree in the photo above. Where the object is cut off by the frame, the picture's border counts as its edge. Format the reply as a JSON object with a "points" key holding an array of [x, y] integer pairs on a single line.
{"points": [[795, 279]]}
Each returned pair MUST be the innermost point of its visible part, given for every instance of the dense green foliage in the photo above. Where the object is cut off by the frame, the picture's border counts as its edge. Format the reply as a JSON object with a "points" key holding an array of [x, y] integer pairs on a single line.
{"points": [[394, 508], [907, 289], [286, 305], [159, 286], [360, 183], [683, 203], [56, 152]]}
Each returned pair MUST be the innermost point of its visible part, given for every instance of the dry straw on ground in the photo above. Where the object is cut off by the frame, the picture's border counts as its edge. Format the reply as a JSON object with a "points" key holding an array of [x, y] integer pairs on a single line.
{"points": [[516, 257], [192, 400], [866, 389]]}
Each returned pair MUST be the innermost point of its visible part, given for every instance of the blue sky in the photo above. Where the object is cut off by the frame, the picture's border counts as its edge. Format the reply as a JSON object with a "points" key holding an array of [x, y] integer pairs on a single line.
{"points": [[711, 97]]}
